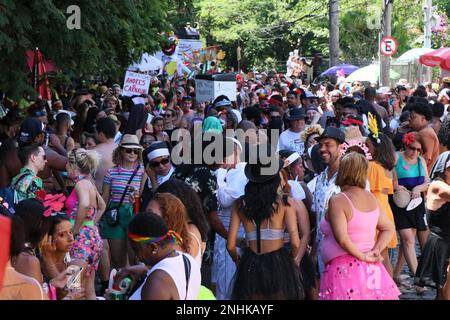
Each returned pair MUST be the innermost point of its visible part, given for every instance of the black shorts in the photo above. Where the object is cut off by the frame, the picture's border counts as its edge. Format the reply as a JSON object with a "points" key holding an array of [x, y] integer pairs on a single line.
{"points": [[414, 219]]}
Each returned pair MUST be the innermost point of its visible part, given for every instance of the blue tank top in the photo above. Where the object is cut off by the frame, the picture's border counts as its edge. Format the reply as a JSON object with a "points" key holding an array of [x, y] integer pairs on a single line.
{"points": [[409, 175]]}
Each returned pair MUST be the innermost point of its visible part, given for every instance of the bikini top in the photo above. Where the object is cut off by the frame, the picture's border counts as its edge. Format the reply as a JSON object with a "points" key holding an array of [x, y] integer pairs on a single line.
{"points": [[266, 234]]}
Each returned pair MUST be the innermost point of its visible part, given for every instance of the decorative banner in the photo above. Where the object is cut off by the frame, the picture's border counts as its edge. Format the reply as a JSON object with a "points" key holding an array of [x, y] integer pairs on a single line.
{"points": [[135, 84], [186, 47]]}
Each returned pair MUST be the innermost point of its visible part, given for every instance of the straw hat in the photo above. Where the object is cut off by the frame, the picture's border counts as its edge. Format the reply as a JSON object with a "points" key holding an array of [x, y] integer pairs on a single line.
{"points": [[130, 141]]}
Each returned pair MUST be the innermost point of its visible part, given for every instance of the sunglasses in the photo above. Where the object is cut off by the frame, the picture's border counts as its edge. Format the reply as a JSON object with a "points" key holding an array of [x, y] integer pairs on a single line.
{"points": [[156, 164], [167, 115], [419, 150], [135, 151]]}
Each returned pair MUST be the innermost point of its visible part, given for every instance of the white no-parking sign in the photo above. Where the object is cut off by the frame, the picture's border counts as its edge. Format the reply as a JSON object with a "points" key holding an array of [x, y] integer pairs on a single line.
{"points": [[388, 46]]}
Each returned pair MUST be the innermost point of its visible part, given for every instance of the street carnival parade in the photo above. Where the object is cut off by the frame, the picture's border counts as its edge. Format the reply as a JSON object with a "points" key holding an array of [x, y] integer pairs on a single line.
{"points": [[225, 150]]}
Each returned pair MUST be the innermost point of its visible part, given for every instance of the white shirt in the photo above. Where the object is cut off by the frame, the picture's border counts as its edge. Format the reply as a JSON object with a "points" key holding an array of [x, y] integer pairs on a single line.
{"points": [[174, 267], [291, 140]]}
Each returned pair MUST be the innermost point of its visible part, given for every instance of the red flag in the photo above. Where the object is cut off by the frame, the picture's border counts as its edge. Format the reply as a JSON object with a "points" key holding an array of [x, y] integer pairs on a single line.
{"points": [[40, 80], [5, 237]]}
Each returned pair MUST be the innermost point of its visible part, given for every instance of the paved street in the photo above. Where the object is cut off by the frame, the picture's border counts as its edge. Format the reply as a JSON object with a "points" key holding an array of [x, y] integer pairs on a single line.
{"points": [[409, 290]]}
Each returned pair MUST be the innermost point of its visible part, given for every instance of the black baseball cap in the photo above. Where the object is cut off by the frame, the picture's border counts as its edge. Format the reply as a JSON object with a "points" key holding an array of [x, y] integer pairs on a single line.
{"points": [[29, 130], [297, 114], [333, 133]]}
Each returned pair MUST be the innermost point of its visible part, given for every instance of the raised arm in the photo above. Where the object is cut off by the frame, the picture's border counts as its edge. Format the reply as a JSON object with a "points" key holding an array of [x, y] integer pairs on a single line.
{"points": [[441, 189]]}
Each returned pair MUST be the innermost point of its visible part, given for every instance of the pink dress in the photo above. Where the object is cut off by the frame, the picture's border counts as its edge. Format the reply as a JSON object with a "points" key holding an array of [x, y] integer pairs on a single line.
{"points": [[88, 244], [346, 277]]}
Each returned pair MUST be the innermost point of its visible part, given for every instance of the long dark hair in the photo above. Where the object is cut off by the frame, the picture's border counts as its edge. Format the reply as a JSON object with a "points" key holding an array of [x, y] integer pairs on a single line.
{"points": [[385, 152], [31, 211], [51, 222], [260, 199], [191, 201]]}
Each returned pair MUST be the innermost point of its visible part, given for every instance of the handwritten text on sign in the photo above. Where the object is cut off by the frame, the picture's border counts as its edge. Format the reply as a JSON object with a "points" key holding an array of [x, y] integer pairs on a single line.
{"points": [[135, 84]]}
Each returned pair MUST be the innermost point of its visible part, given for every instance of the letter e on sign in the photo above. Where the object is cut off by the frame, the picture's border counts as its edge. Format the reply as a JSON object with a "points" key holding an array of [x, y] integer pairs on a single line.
{"points": [[388, 46]]}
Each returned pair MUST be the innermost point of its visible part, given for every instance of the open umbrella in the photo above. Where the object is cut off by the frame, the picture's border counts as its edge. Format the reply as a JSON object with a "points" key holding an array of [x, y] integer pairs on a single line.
{"points": [[39, 80], [439, 57], [412, 55], [348, 69], [370, 73]]}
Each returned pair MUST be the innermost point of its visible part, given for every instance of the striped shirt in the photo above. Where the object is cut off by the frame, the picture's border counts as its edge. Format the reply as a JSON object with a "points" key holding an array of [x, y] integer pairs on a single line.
{"points": [[117, 179]]}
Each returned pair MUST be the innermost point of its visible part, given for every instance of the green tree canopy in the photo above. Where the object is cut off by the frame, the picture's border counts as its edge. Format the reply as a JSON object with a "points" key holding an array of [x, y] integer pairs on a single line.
{"points": [[112, 35]]}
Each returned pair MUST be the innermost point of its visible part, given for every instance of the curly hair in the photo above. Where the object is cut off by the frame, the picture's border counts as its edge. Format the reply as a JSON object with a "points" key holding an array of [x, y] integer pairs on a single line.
{"points": [[117, 157], [191, 201], [175, 214]]}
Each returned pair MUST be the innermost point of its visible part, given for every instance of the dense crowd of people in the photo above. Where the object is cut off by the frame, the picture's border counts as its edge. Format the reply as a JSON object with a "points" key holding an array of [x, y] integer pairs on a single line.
{"points": [[92, 179]]}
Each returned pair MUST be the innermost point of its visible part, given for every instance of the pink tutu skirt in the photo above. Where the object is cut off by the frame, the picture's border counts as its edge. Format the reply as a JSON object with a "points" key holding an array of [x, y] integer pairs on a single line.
{"points": [[347, 278]]}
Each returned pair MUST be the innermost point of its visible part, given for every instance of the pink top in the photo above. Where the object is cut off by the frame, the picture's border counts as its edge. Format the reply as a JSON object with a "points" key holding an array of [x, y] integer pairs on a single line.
{"points": [[361, 229], [72, 205]]}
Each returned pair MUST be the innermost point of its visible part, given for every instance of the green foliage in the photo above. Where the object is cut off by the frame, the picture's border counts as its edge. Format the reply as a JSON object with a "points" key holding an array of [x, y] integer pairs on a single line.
{"points": [[112, 35], [264, 28], [270, 28]]}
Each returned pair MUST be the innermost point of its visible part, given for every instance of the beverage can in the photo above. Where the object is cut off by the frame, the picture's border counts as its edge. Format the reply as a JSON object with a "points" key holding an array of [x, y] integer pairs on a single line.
{"points": [[116, 295], [125, 284]]}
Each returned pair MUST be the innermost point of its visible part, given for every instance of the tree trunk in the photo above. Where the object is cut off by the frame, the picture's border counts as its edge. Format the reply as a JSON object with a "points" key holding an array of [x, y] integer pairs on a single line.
{"points": [[333, 26]]}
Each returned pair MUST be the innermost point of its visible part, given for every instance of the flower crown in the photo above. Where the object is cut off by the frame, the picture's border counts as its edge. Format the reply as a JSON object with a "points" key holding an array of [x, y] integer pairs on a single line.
{"points": [[350, 145], [316, 128]]}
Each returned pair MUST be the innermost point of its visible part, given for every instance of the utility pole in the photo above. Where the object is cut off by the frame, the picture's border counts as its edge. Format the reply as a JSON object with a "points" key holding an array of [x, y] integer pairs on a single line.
{"points": [[333, 26], [385, 61], [428, 12]]}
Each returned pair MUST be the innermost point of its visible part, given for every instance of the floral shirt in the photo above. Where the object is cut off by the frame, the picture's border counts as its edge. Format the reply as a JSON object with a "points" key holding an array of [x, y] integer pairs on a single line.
{"points": [[322, 193], [200, 178], [202, 181], [28, 184]]}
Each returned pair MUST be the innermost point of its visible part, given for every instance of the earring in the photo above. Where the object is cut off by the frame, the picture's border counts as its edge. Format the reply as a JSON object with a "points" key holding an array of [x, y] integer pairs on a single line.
{"points": [[154, 251]]}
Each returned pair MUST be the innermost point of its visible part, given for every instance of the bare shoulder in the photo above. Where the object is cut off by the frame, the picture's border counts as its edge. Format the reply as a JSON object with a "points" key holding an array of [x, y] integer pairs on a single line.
{"points": [[159, 286], [338, 199]]}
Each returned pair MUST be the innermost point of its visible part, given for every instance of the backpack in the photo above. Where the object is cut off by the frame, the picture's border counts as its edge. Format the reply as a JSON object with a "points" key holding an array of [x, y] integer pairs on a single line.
{"points": [[9, 193]]}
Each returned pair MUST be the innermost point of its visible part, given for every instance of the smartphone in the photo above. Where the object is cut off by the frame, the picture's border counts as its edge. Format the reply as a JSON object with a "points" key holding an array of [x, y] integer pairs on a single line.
{"points": [[74, 280]]}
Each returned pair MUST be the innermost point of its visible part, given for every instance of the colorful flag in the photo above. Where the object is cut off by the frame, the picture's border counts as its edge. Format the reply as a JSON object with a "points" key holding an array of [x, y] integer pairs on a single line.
{"points": [[40, 80]]}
